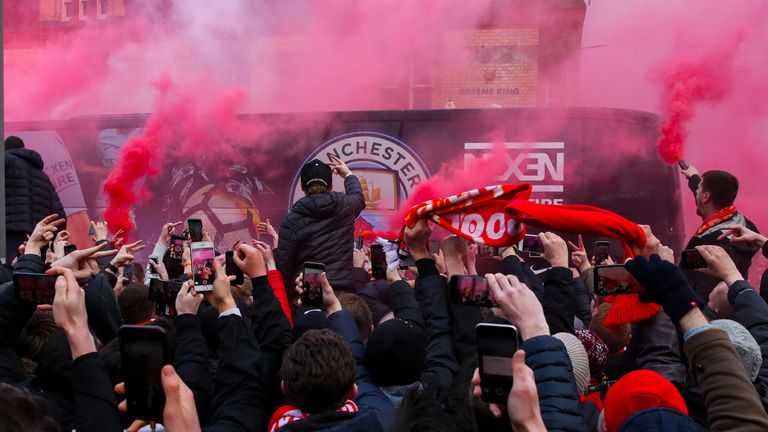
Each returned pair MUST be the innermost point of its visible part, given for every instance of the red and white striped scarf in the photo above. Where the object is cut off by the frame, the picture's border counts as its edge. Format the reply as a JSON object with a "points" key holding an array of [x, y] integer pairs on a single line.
{"points": [[287, 414]]}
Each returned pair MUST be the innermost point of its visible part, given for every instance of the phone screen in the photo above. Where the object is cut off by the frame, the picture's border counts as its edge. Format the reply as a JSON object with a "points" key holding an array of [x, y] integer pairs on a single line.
{"points": [[202, 265], [35, 287], [496, 345], [471, 291], [176, 248], [233, 269], [615, 279], [691, 259], [68, 249], [602, 251], [531, 243], [195, 227], [378, 262], [128, 272], [142, 350], [359, 242], [313, 289]]}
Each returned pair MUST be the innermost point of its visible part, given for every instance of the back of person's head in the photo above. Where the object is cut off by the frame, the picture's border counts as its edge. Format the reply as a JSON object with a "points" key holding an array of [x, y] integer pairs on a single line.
{"points": [[316, 177], [579, 359], [395, 353], [438, 407], [172, 266], [637, 391], [135, 307], [745, 345], [659, 419], [37, 334], [243, 292], [13, 142], [722, 187], [358, 308], [615, 339], [318, 371], [20, 412]]}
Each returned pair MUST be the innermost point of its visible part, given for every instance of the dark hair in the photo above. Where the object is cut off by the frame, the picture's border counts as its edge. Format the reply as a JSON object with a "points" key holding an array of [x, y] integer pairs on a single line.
{"points": [[37, 334], [318, 371], [438, 407], [355, 305], [722, 186], [317, 188], [13, 142], [20, 412], [135, 306]]}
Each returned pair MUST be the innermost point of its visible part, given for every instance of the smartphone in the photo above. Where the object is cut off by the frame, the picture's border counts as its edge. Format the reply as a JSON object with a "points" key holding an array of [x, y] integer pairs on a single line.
{"points": [[615, 279], [91, 231], [531, 244], [128, 272], [195, 227], [176, 248], [35, 287], [164, 293], [69, 248], [496, 345], [44, 251], [152, 260], [233, 269], [143, 352], [602, 251], [359, 242], [691, 259], [202, 265], [313, 289], [470, 291], [378, 262]]}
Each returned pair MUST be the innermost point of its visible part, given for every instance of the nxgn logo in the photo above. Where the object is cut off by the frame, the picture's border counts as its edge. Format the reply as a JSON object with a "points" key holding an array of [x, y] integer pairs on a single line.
{"points": [[540, 163]]}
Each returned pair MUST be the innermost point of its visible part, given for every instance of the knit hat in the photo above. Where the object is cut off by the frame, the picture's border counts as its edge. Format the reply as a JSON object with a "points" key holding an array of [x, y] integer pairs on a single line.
{"points": [[395, 353], [637, 391], [579, 359], [316, 171], [597, 351], [13, 142], [659, 419], [745, 345]]}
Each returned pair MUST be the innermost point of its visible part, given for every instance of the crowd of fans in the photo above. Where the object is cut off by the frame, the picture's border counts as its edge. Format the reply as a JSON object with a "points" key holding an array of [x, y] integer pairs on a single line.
{"points": [[385, 353]]}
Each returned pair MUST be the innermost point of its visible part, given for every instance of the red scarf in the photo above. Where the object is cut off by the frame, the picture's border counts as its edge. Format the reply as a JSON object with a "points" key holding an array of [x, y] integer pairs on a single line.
{"points": [[475, 216], [288, 414], [723, 215]]}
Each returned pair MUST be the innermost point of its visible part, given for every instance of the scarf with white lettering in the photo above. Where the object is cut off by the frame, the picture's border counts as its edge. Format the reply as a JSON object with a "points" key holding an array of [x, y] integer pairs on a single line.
{"points": [[288, 414]]}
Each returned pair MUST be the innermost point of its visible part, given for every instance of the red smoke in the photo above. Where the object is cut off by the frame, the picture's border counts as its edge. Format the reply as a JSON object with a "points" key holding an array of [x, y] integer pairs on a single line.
{"points": [[684, 86]]}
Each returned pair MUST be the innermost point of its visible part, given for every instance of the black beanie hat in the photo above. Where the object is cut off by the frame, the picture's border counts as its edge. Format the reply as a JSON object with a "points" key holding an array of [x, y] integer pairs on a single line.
{"points": [[13, 142], [395, 353]]}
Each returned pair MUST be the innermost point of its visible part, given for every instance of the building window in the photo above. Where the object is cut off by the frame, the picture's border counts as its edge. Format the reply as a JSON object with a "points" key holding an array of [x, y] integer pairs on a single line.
{"points": [[101, 9], [410, 88], [83, 10], [66, 10]]}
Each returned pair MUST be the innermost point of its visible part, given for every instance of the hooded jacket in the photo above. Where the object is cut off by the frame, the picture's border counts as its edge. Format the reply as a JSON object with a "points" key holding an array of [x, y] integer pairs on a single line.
{"points": [[29, 194], [320, 228]]}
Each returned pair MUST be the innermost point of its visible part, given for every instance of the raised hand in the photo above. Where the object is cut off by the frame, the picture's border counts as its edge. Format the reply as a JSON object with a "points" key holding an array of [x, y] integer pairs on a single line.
{"points": [[719, 264], [266, 252], [221, 296], [579, 255], [339, 167], [69, 312], [519, 305], [167, 231], [43, 233], [555, 250], [523, 401], [742, 234], [266, 227], [77, 261], [417, 239], [331, 303], [127, 253], [250, 261], [188, 300]]}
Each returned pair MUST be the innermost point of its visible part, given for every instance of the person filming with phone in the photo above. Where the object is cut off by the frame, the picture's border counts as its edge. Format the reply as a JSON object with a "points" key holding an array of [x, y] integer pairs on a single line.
{"points": [[320, 226]]}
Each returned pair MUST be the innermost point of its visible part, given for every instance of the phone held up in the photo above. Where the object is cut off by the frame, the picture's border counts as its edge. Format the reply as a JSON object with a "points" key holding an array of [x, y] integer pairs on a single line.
{"points": [[496, 345], [176, 248], [690, 259], [313, 288], [602, 251], [615, 279], [35, 287], [195, 227], [144, 351], [163, 293], [531, 244], [233, 270], [378, 261], [470, 291], [202, 265]]}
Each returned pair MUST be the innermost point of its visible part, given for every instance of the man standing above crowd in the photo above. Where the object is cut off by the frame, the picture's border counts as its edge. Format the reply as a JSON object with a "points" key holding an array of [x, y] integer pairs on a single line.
{"points": [[29, 194], [715, 193], [320, 227]]}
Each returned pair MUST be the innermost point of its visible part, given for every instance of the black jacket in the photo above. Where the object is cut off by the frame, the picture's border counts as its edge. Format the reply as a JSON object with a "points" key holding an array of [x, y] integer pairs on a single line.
{"points": [[29, 193], [555, 384], [320, 228]]}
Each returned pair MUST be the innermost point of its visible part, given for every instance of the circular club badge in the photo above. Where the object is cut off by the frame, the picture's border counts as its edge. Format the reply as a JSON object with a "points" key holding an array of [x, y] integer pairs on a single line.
{"points": [[387, 168]]}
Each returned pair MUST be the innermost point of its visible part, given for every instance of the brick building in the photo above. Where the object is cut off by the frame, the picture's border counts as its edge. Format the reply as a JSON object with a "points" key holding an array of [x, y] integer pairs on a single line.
{"points": [[522, 53]]}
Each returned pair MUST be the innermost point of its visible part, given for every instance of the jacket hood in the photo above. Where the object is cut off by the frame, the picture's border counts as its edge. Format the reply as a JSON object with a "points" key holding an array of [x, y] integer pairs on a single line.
{"points": [[319, 206], [31, 156]]}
